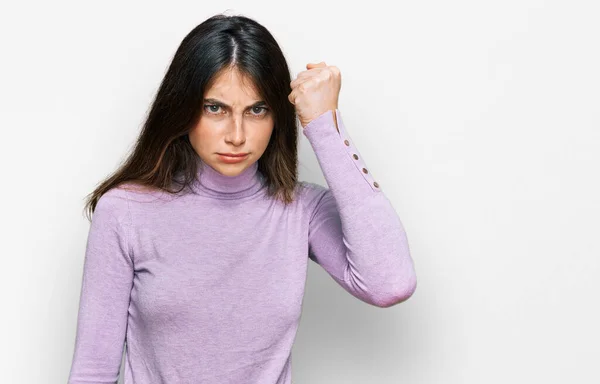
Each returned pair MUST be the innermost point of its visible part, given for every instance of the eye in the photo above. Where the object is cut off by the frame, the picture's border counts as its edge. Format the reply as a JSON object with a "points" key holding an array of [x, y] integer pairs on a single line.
{"points": [[211, 108], [256, 111], [261, 111]]}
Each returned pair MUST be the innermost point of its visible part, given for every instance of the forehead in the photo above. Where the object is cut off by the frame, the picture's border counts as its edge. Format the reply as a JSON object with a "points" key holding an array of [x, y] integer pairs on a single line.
{"points": [[231, 83]]}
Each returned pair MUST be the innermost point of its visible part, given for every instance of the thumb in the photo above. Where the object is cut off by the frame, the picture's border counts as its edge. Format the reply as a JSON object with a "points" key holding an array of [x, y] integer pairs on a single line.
{"points": [[317, 65]]}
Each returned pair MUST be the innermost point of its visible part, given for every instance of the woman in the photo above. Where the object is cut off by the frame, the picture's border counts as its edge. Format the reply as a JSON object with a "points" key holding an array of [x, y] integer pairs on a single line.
{"points": [[196, 257]]}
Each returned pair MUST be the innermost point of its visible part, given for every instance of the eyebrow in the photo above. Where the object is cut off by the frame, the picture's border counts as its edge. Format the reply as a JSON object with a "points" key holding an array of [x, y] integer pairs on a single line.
{"points": [[259, 103]]}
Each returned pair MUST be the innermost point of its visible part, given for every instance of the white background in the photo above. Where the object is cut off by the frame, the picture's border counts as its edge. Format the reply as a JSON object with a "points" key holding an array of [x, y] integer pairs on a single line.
{"points": [[479, 119]]}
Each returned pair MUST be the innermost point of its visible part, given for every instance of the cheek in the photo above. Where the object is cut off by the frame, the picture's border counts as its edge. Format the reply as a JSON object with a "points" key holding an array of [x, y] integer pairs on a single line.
{"points": [[261, 135], [265, 131], [203, 135], [267, 135]]}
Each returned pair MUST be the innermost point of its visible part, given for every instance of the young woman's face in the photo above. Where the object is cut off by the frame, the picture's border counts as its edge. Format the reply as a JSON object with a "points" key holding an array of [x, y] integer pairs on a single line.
{"points": [[234, 119]]}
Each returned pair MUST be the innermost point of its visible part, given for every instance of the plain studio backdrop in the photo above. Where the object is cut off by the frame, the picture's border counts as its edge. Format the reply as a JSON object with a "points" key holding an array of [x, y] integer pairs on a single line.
{"points": [[479, 119]]}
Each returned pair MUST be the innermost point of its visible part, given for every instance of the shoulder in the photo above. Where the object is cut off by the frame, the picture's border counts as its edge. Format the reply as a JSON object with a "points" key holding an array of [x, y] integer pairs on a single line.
{"points": [[308, 190], [134, 196], [311, 195], [112, 206]]}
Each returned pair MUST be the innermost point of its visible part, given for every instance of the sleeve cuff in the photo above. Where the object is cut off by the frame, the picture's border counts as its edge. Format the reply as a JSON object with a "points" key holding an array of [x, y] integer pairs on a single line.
{"points": [[329, 139]]}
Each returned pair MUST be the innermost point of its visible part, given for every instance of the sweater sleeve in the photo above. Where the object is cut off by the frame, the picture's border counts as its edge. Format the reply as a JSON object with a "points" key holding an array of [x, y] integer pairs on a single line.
{"points": [[354, 231], [105, 292]]}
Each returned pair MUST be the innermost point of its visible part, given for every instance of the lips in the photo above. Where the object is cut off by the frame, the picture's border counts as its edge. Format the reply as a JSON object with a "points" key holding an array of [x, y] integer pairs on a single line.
{"points": [[236, 158], [234, 154]]}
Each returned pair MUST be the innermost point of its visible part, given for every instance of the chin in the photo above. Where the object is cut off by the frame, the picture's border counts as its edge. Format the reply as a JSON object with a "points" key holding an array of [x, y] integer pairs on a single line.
{"points": [[231, 169]]}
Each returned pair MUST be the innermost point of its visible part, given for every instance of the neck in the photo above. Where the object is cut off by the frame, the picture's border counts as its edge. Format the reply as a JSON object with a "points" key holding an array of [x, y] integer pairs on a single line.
{"points": [[212, 183]]}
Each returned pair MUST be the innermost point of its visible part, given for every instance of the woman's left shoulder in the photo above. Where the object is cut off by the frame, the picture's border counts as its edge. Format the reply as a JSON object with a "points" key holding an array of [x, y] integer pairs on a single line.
{"points": [[310, 193]]}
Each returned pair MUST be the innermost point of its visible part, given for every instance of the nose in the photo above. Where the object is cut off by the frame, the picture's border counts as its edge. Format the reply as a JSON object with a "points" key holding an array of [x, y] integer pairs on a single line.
{"points": [[236, 135]]}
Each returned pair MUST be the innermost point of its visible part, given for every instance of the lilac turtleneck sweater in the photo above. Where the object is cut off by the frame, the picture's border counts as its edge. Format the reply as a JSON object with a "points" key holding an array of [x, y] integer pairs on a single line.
{"points": [[207, 287]]}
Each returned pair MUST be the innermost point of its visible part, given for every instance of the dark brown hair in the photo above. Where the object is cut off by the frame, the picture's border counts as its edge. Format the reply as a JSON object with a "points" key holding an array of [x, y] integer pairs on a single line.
{"points": [[163, 149]]}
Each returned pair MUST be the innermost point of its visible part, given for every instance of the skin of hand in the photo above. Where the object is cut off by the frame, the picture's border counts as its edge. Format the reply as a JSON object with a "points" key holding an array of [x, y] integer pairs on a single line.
{"points": [[315, 91]]}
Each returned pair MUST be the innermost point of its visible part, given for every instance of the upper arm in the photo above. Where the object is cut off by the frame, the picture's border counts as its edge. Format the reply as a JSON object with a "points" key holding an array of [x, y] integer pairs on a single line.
{"points": [[105, 293], [325, 236]]}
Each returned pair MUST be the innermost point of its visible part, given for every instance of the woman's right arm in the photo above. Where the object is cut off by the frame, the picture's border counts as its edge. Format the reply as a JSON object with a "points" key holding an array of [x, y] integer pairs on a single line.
{"points": [[105, 292]]}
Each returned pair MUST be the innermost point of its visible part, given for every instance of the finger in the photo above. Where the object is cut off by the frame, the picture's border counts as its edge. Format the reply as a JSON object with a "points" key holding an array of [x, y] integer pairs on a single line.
{"points": [[305, 74], [298, 79], [292, 97], [296, 82]]}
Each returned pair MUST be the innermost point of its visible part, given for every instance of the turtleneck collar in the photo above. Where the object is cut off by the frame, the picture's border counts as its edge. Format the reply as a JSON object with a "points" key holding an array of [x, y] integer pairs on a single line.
{"points": [[212, 183]]}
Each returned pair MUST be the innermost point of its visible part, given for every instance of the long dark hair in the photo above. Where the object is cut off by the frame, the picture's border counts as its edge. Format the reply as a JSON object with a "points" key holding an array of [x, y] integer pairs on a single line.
{"points": [[163, 149]]}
